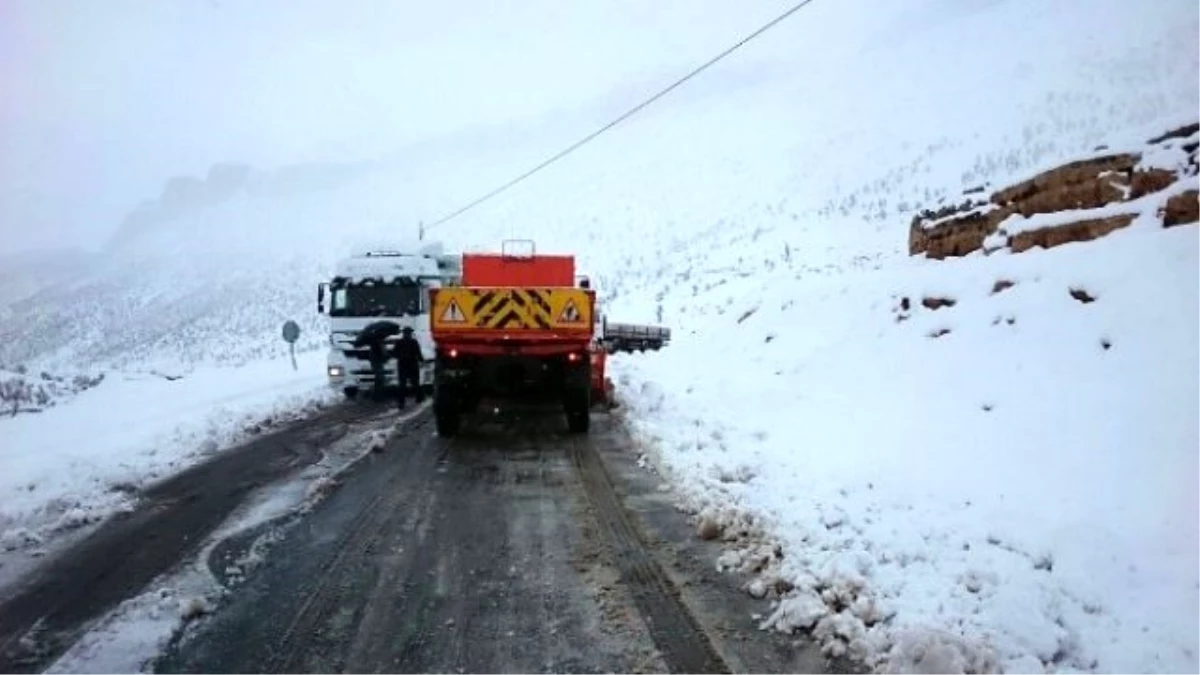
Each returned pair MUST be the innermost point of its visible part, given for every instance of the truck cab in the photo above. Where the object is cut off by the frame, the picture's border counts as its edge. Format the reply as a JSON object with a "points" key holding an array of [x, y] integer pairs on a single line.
{"points": [[381, 284]]}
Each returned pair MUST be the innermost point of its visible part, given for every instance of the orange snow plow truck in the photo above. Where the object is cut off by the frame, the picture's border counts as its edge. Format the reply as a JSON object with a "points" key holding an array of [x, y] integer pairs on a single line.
{"points": [[517, 328]]}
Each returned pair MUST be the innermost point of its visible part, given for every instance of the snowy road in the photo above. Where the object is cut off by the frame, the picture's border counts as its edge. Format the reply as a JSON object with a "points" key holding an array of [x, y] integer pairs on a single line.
{"points": [[515, 547], [42, 616], [503, 550]]}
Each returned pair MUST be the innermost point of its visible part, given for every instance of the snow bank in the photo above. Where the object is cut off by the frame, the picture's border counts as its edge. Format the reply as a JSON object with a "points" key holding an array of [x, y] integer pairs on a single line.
{"points": [[1017, 469], [74, 464], [136, 631]]}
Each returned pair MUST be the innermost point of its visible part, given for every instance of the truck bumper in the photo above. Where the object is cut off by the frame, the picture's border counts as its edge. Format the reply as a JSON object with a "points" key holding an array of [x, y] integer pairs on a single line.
{"points": [[359, 375]]}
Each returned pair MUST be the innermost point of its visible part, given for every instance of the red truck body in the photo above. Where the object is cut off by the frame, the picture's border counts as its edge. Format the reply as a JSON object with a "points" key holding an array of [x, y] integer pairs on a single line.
{"points": [[490, 269], [516, 328]]}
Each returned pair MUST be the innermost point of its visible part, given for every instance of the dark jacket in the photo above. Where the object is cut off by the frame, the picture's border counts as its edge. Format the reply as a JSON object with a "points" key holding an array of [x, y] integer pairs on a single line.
{"points": [[408, 352], [377, 351]]}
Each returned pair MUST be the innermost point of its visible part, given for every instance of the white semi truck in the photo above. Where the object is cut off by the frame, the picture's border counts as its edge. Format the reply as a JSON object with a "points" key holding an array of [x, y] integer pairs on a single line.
{"points": [[382, 284]]}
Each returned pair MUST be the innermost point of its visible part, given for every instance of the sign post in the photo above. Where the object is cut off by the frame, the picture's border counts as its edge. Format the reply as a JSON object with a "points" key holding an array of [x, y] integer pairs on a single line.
{"points": [[291, 333]]}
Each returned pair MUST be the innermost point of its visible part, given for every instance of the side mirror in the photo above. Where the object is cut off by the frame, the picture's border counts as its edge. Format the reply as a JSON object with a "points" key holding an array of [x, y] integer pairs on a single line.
{"points": [[321, 297]]}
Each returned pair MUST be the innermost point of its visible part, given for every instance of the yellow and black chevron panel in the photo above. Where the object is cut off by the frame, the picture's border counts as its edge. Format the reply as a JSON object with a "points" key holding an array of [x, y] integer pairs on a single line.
{"points": [[510, 309]]}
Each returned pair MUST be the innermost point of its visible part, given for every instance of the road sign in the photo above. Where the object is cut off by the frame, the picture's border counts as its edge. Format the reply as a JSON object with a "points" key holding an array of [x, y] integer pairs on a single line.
{"points": [[291, 331]]}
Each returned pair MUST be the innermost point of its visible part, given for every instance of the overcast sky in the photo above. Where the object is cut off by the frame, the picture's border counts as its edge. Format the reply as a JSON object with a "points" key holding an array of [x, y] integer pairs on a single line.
{"points": [[101, 102]]}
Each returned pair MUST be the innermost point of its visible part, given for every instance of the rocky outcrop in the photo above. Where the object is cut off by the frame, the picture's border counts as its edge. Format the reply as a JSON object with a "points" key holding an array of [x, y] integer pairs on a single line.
{"points": [[1083, 230], [182, 195], [952, 231], [1150, 181], [1185, 131], [1084, 185], [185, 195], [1182, 208]]}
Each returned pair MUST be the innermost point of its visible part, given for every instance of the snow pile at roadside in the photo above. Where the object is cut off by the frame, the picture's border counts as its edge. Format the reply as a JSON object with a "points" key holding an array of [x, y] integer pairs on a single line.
{"points": [[137, 630], [1016, 470], [73, 465]]}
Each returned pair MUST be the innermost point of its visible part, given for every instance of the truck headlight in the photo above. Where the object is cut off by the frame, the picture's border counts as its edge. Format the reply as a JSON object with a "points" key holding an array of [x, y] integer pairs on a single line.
{"points": [[336, 371]]}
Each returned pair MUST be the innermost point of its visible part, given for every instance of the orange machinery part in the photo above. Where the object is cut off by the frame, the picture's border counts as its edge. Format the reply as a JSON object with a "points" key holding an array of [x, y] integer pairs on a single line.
{"points": [[492, 270], [601, 385]]}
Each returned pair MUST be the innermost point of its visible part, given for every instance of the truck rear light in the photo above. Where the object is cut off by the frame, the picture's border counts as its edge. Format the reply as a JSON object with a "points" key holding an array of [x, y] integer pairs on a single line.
{"points": [[572, 357], [453, 353]]}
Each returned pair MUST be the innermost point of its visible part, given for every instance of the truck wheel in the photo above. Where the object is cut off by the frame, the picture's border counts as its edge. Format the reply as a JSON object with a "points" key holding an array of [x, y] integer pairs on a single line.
{"points": [[446, 413], [447, 423], [469, 404], [578, 422], [577, 406], [351, 393]]}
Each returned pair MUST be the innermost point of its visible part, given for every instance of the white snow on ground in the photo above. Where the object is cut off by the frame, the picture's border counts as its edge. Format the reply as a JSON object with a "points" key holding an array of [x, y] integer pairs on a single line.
{"points": [[128, 638], [1012, 481], [73, 464], [1009, 494], [131, 635]]}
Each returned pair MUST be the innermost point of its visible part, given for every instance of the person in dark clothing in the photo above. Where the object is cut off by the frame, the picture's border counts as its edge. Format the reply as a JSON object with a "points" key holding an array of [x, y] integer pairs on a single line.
{"points": [[374, 337], [377, 355], [408, 365]]}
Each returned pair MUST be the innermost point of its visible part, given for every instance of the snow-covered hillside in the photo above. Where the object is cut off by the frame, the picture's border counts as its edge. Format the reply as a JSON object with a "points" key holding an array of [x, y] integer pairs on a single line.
{"points": [[1012, 484], [1019, 468]]}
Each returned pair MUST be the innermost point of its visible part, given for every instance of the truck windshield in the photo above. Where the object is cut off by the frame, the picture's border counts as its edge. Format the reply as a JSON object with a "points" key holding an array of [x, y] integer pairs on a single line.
{"points": [[376, 298]]}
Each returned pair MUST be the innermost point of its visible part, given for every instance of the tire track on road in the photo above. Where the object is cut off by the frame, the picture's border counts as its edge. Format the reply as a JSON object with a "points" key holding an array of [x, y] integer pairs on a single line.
{"points": [[316, 638], [684, 645], [500, 550]]}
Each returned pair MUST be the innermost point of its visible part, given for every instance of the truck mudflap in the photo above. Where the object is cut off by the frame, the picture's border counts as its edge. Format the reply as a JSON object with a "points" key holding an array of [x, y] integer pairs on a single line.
{"points": [[600, 384]]}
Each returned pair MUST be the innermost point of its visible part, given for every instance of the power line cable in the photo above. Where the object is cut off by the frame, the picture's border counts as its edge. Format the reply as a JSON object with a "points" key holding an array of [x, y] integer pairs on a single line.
{"points": [[626, 115]]}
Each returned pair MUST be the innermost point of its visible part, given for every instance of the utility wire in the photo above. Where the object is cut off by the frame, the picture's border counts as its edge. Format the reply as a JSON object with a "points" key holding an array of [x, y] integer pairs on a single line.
{"points": [[629, 113]]}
